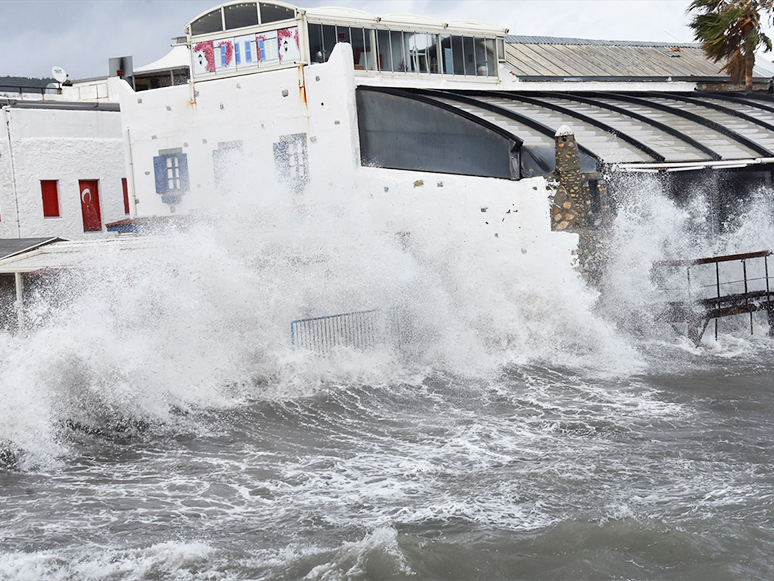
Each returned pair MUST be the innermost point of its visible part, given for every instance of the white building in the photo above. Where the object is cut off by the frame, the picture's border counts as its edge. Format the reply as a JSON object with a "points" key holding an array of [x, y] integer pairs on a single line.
{"points": [[275, 82], [62, 170]]}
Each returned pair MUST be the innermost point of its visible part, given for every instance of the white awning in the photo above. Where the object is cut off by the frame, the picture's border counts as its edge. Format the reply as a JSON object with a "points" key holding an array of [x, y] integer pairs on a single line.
{"points": [[177, 58]]}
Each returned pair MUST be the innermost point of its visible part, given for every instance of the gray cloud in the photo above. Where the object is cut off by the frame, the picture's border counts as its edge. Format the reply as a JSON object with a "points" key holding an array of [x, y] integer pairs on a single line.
{"points": [[82, 35]]}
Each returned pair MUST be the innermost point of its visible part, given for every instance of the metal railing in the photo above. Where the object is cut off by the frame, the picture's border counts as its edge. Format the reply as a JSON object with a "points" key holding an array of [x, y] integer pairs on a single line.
{"points": [[714, 287], [359, 330], [21, 90]]}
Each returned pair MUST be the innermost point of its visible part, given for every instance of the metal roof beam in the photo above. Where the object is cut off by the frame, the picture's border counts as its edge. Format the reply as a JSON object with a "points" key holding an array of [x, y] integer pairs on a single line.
{"points": [[513, 115], [639, 117], [716, 107], [722, 129], [411, 94], [736, 99], [581, 117]]}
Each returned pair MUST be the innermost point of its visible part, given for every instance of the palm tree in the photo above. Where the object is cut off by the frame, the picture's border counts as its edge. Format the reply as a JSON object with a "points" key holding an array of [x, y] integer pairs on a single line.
{"points": [[731, 30]]}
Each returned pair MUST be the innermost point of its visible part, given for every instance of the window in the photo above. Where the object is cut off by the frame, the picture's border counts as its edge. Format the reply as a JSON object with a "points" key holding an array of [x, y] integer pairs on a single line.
{"points": [[210, 22], [459, 55], [491, 57], [125, 188], [362, 49], [446, 52], [171, 172], [225, 159], [385, 52], [290, 160], [274, 13], [422, 49], [316, 50], [470, 56], [409, 52], [50, 191], [329, 40], [241, 15]]}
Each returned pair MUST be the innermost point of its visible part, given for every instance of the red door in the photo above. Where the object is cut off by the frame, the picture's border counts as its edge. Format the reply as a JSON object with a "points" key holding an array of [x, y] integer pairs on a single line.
{"points": [[92, 219]]}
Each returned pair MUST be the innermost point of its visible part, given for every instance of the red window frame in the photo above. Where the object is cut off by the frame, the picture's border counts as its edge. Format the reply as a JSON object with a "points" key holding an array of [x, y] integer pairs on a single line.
{"points": [[125, 188], [49, 190]]}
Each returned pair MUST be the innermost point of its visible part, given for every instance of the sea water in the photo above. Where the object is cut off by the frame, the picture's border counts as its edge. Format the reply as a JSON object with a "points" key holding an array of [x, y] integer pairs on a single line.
{"points": [[156, 422]]}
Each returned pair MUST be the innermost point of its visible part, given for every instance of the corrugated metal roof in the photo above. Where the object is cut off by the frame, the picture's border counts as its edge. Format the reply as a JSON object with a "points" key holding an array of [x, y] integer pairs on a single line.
{"points": [[519, 39], [539, 57]]}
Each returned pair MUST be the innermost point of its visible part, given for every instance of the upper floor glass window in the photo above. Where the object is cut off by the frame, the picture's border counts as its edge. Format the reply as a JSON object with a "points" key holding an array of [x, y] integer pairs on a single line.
{"points": [[210, 22], [241, 15], [324, 37], [274, 13], [407, 52]]}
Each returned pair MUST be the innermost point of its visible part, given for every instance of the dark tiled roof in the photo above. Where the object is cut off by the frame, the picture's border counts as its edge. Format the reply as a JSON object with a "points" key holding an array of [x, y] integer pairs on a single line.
{"points": [[11, 246]]}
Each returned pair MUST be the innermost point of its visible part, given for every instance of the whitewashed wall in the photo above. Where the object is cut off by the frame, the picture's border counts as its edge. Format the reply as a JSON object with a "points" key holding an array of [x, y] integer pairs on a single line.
{"points": [[62, 145], [319, 101], [255, 110], [6, 179]]}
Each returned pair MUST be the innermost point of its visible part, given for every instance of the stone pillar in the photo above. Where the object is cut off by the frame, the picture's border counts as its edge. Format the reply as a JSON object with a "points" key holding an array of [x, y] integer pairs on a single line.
{"points": [[567, 212], [580, 204]]}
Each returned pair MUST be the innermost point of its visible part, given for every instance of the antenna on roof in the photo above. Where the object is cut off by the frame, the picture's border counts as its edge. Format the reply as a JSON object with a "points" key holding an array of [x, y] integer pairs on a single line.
{"points": [[673, 36], [60, 76]]}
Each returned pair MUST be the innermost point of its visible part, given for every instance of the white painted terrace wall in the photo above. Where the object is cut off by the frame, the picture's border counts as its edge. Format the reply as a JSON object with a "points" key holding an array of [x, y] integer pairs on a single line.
{"points": [[255, 110], [258, 109], [63, 145]]}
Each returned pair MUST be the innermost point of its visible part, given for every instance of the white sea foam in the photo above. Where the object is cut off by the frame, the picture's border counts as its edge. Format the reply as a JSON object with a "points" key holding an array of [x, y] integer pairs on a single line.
{"points": [[203, 318], [376, 555], [182, 561]]}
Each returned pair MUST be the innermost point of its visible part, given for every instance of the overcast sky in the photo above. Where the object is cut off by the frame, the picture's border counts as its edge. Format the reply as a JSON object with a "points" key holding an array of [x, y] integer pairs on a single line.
{"points": [[81, 35]]}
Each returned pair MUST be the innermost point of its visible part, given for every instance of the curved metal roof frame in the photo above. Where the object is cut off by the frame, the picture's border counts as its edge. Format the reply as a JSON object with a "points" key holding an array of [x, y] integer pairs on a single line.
{"points": [[639, 117], [716, 107], [738, 99], [416, 95], [513, 115], [585, 119], [750, 144]]}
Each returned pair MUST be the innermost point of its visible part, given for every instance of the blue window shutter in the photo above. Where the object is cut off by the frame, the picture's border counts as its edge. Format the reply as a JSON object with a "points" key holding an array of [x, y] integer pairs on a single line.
{"points": [[160, 171], [182, 162], [223, 55], [248, 52], [236, 53]]}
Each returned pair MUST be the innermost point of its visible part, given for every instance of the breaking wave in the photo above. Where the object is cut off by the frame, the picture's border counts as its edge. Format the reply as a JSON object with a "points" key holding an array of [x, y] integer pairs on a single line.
{"points": [[201, 319]]}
